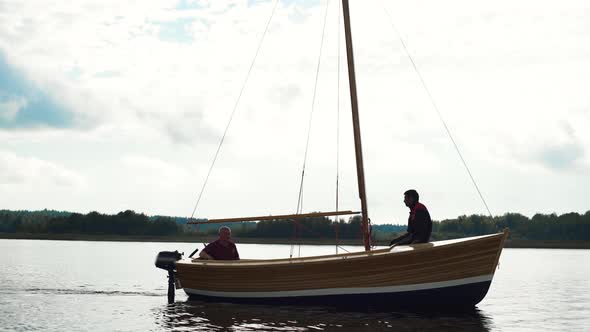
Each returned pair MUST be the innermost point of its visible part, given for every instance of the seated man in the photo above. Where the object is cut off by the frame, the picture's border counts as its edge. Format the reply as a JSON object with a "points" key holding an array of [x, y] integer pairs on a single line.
{"points": [[419, 222], [222, 248]]}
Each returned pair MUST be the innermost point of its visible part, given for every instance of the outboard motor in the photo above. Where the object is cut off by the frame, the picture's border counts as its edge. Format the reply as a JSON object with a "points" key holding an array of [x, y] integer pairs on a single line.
{"points": [[166, 260]]}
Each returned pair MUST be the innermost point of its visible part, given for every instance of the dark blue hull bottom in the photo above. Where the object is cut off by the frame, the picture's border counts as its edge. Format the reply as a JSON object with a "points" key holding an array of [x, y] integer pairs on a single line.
{"points": [[463, 296]]}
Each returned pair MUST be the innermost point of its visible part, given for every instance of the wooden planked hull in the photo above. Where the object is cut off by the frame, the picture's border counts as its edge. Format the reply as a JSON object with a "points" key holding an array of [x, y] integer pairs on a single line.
{"points": [[454, 272], [461, 296]]}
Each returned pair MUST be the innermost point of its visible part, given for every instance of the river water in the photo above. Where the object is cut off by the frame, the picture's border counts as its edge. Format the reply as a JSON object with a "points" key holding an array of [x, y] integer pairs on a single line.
{"points": [[114, 286]]}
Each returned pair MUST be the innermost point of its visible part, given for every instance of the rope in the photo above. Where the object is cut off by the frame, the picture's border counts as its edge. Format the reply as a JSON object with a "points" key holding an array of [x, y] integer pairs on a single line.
{"points": [[317, 74], [234, 109], [343, 248], [438, 112]]}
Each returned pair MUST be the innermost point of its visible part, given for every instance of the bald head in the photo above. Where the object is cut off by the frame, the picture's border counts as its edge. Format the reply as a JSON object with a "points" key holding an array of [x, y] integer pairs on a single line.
{"points": [[224, 233]]}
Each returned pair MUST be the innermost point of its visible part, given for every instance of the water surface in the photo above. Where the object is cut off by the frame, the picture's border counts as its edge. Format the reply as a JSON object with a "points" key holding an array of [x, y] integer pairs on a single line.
{"points": [[114, 286]]}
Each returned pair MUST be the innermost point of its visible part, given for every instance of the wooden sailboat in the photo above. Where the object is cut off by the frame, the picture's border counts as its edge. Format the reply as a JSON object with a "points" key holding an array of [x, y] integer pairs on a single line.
{"points": [[440, 274], [453, 273]]}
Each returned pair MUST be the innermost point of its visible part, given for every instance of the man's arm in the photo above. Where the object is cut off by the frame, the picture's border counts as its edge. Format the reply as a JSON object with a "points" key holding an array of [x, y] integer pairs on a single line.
{"points": [[204, 255], [405, 238], [237, 255]]}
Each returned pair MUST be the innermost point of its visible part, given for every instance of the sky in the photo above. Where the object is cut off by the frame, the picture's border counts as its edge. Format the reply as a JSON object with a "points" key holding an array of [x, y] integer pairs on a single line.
{"points": [[114, 105]]}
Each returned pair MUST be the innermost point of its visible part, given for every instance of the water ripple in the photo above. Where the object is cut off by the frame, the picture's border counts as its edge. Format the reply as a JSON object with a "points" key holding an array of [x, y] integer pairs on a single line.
{"points": [[77, 291], [78, 286], [207, 316]]}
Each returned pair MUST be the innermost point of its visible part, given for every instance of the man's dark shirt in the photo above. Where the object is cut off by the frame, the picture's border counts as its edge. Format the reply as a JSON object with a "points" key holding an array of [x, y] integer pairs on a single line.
{"points": [[222, 252], [419, 226]]}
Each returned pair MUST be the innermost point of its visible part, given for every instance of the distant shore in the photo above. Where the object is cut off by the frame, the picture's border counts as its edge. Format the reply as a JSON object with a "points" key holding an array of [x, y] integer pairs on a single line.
{"points": [[516, 243]]}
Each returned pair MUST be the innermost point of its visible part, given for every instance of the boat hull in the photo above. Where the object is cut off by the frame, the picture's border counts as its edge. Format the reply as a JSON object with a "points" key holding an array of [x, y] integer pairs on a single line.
{"points": [[459, 296], [455, 273]]}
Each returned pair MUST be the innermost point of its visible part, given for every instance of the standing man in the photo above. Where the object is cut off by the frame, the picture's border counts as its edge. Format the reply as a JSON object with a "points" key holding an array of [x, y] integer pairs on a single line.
{"points": [[419, 222], [222, 248]]}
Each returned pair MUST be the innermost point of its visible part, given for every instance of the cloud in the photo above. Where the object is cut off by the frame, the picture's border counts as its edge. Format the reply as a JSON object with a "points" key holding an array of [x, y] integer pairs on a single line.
{"points": [[148, 171], [188, 4], [10, 107], [188, 128], [31, 171], [178, 30], [561, 157], [556, 147], [160, 79], [166, 60], [566, 152], [181, 122], [24, 105], [107, 74], [285, 94]]}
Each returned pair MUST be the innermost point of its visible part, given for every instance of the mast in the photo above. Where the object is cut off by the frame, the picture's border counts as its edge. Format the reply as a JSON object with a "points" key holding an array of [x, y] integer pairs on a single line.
{"points": [[356, 127]]}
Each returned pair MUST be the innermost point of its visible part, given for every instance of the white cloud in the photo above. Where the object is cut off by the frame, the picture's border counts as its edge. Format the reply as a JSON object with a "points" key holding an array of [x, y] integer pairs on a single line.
{"points": [[508, 78], [147, 170], [10, 107], [31, 172]]}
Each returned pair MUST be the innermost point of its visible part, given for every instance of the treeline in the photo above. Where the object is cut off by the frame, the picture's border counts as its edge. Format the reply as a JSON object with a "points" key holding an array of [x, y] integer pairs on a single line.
{"points": [[313, 227], [569, 226], [94, 223]]}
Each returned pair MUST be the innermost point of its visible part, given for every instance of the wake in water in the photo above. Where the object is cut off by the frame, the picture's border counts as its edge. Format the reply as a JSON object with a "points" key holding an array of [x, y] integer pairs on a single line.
{"points": [[77, 291]]}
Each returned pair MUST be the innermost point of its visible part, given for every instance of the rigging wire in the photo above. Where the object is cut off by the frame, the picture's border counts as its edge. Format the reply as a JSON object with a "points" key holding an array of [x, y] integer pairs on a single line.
{"points": [[315, 86], [437, 110], [234, 109], [300, 196]]}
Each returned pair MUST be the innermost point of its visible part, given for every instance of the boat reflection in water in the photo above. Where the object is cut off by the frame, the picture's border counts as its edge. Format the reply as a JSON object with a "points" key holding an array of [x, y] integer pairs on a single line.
{"points": [[215, 316]]}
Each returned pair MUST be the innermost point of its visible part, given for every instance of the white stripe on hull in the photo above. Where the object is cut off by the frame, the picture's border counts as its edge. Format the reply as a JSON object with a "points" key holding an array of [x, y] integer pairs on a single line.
{"points": [[342, 291]]}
